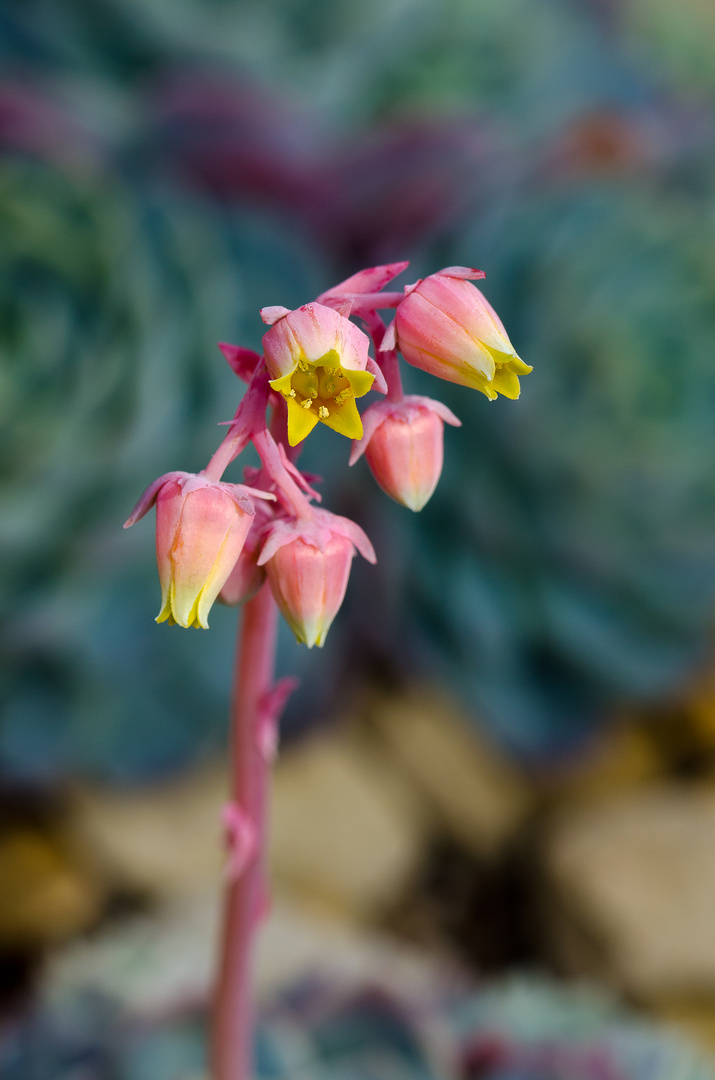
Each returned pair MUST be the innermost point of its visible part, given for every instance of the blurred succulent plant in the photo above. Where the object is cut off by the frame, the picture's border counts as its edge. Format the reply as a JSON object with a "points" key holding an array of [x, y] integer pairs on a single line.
{"points": [[570, 576]]}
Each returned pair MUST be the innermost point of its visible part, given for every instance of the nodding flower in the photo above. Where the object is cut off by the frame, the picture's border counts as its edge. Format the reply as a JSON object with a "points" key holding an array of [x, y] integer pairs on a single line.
{"points": [[201, 527], [317, 359], [403, 445], [308, 565], [447, 327]]}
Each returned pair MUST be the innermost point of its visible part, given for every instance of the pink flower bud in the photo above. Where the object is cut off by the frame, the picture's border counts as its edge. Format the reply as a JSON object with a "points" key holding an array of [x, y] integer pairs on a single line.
{"points": [[403, 445], [447, 327], [308, 565], [201, 527], [317, 359]]}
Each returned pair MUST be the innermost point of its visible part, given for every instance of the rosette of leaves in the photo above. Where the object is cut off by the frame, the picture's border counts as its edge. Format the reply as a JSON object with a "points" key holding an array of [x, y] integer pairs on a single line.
{"points": [[111, 299], [566, 563]]}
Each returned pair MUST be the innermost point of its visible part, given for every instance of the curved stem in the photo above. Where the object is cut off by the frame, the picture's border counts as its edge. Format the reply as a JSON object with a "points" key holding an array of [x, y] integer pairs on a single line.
{"points": [[388, 359], [250, 417], [233, 1019]]}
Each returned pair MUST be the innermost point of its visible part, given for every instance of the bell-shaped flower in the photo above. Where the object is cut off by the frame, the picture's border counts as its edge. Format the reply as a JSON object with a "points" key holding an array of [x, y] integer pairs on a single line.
{"points": [[447, 327], [201, 526], [318, 361], [403, 444], [308, 565]]}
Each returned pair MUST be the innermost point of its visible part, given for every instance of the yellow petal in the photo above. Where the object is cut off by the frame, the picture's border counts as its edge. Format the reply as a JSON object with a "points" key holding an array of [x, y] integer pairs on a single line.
{"points": [[282, 385], [300, 421], [345, 419], [360, 382], [165, 612], [506, 382], [518, 366]]}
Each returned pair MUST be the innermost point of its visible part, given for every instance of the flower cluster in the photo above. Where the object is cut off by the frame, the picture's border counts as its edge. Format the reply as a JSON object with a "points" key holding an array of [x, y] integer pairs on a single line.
{"points": [[225, 540]]}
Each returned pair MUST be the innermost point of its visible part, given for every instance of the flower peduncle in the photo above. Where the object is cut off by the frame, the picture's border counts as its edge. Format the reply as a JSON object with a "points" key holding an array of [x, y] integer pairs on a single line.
{"points": [[273, 462], [388, 357]]}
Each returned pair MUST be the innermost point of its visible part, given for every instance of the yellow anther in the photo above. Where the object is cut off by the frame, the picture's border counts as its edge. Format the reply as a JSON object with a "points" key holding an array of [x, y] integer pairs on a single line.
{"points": [[306, 403], [323, 413], [329, 370], [291, 392], [343, 396], [302, 366], [330, 387]]}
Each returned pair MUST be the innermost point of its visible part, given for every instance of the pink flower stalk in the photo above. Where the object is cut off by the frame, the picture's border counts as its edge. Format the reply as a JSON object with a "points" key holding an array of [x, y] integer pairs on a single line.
{"points": [[213, 542], [201, 527], [447, 327], [318, 361], [404, 447], [308, 565]]}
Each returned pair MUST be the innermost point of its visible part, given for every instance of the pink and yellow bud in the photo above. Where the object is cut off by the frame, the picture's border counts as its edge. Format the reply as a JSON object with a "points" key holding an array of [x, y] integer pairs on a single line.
{"points": [[404, 447], [317, 359], [308, 566], [201, 527], [447, 327]]}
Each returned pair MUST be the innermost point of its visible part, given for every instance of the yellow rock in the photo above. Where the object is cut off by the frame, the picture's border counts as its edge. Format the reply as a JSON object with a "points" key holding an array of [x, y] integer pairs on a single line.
{"points": [[631, 882], [166, 838], [343, 835], [44, 895]]}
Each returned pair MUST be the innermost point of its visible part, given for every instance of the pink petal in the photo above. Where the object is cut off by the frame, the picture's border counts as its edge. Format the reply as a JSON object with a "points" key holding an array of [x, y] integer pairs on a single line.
{"points": [[434, 406], [354, 533], [272, 315], [390, 339], [148, 498], [366, 281], [374, 368], [466, 272], [242, 361]]}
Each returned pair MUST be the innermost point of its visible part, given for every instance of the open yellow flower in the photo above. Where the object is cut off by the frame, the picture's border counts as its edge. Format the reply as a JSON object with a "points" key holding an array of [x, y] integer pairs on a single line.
{"points": [[317, 359]]}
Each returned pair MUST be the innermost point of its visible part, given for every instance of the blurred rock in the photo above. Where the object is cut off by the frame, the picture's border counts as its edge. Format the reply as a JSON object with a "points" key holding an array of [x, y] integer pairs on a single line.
{"points": [[475, 794], [630, 887], [46, 894], [344, 832], [165, 839]]}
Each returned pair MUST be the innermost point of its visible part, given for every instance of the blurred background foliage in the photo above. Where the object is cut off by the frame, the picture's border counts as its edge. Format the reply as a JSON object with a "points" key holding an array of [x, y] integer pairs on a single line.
{"points": [[169, 166]]}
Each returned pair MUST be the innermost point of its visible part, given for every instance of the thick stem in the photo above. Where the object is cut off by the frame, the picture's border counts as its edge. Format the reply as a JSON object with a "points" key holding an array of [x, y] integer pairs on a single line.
{"points": [[234, 1012]]}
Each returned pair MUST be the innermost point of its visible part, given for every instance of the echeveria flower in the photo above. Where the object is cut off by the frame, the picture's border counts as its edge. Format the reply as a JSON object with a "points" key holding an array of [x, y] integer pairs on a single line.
{"points": [[317, 359], [447, 327], [403, 445], [308, 566], [201, 527]]}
